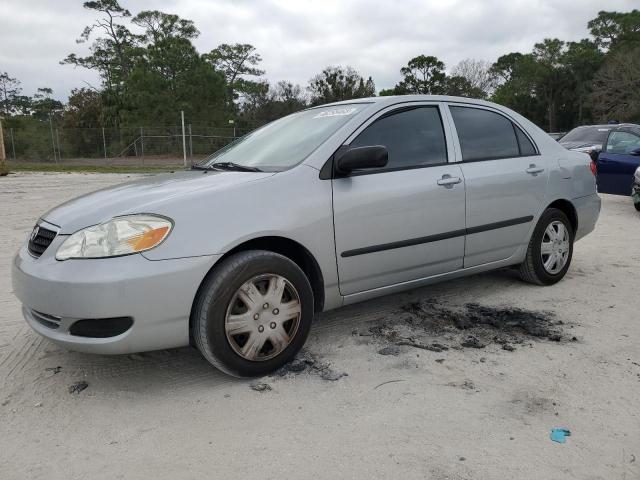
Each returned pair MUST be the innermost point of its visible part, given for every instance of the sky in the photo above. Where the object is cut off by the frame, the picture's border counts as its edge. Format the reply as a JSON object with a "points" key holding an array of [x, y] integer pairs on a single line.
{"points": [[298, 38]]}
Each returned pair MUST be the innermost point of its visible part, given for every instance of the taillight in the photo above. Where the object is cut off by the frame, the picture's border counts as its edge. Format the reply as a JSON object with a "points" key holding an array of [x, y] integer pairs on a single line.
{"points": [[593, 167]]}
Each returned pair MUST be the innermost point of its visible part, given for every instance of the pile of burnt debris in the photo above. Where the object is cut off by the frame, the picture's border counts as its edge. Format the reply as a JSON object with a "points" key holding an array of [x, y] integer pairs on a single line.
{"points": [[470, 326]]}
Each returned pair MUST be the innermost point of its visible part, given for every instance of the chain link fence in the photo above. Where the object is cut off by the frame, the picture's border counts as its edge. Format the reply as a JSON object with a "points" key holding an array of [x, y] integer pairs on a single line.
{"points": [[139, 147]]}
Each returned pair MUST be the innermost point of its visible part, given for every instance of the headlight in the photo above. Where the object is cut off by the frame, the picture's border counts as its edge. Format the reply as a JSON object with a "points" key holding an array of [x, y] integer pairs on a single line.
{"points": [[119, 236]]}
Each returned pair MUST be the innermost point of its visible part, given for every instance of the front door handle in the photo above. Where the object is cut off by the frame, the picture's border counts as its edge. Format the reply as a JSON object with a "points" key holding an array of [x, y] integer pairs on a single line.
{"points": [[534, 170], [448, 181]]}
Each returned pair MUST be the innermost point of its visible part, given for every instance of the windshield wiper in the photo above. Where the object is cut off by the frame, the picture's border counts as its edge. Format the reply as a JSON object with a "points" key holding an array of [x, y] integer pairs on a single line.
{"points": [[234, 166], [200, 167]]}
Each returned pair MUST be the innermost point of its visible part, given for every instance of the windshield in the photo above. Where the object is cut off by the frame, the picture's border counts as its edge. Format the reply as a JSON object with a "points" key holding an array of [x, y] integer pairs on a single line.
{"points": [[286, 142], [595, 135]]}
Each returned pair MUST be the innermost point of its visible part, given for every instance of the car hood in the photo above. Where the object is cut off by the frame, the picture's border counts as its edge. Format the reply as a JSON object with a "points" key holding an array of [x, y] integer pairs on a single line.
{"points": [[141, 196], [574, 145]]}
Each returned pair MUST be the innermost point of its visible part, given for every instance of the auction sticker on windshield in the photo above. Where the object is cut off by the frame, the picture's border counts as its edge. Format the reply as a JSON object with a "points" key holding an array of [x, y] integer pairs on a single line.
{"points": [[336, 112]]}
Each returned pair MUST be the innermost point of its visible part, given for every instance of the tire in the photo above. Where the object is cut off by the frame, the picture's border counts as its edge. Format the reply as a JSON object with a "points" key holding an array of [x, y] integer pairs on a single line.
{"points": [[533, 269], [221, 310]]}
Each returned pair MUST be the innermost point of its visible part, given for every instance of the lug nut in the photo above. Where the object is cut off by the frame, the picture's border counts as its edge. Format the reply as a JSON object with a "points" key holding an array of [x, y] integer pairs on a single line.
{"points": [[273, 325], [256, 316], [265, 306], [276, 311], [261, 329]]}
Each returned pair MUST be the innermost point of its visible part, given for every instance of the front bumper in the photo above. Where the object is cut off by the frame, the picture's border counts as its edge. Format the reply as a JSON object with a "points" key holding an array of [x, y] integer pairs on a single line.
{"points": [[156, 294]]}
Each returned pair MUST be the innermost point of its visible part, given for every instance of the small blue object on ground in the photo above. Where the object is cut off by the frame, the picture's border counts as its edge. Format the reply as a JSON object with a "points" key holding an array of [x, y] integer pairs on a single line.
{"points": [[560, 434]]}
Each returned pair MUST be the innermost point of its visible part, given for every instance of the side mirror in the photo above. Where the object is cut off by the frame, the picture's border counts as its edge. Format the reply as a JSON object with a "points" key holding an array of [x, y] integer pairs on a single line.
{"points": [[359, 158], [635, 152]]}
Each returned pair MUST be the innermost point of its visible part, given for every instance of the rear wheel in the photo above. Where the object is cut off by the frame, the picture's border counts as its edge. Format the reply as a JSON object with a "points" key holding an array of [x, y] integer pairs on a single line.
{"points": [[253, 313], [550, 249]]}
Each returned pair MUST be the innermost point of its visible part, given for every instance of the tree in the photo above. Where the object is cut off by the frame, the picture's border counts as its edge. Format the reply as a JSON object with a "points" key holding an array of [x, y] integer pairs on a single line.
{"points": [[273, 102], [339, 83], [422, 75], [507, 66], [582, 60], [159, 26], [613, 29], [461, 87], [516, 74], [9, 92], [84, 109], [43, 106], [168, 50], [236, 62], [112, 54], [479, 75], [616, 88], [550, 76]]}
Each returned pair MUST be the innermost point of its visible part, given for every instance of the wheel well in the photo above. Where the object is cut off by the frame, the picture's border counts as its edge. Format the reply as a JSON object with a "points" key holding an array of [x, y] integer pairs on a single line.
{"points": [[294, 252], [569, 210]]}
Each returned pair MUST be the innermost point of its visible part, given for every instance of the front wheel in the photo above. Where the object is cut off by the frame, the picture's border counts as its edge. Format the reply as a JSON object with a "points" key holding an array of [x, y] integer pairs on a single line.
{"points": [[252, 313], [550, 249]]}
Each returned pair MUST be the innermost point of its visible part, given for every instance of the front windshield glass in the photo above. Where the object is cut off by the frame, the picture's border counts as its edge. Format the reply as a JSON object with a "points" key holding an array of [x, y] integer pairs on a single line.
{"points": [[595, 135], [286, 142]]}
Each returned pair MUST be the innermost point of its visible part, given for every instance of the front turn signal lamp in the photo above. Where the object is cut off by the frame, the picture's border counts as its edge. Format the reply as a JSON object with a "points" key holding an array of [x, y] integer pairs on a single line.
{"points": [[119, 236]]}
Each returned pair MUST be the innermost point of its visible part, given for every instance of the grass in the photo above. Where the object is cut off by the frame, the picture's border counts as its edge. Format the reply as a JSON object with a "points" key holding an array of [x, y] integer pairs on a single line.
{"points": [[53, 167]]}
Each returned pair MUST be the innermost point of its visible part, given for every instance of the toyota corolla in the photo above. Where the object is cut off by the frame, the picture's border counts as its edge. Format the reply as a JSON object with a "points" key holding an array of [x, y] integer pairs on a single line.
{"points": [[326, 207]]}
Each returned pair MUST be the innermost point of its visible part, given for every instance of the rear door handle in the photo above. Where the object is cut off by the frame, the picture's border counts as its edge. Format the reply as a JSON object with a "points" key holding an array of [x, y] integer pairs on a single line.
{"points": [[449, 181], [533, 170]]}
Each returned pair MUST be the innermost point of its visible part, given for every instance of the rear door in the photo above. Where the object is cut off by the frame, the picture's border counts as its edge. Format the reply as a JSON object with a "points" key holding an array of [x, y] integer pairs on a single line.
{"points": [[618, 162], [405, 221], [505, 178]]}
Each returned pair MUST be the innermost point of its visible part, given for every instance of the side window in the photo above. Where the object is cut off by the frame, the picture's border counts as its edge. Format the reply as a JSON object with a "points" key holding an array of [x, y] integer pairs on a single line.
{"points": [[622, 142], [484, 135], [413, 137], [526, 147]]}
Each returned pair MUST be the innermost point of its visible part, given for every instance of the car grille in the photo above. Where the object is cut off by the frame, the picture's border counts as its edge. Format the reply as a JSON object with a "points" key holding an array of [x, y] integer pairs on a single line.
{"points": [[40, 240]]}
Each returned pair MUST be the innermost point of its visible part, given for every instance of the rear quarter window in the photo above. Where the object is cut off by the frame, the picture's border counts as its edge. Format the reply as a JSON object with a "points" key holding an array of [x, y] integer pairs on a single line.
{"points": [[526, 147]]}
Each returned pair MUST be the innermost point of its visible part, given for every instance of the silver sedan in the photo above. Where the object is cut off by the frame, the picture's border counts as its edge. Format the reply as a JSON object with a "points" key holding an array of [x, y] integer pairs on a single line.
{"points": [[330, 206]]}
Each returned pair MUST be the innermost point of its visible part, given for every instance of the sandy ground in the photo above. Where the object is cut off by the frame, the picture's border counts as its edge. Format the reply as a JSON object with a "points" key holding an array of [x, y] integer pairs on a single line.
{"points": [[462, 413]]}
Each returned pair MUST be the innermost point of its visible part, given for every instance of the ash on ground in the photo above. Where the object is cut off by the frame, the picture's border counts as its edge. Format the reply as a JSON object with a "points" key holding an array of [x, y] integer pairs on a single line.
{"points": [[430, 325], [306, 362]]}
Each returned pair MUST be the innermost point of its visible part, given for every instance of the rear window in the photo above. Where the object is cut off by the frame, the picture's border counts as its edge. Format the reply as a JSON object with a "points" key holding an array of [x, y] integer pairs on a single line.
{"points": [[587, 135], [484, 135]]}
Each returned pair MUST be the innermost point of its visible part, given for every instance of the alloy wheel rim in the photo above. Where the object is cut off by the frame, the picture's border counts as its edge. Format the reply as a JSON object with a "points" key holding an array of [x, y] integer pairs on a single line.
{"points": [[555, 247], [263, 317]]}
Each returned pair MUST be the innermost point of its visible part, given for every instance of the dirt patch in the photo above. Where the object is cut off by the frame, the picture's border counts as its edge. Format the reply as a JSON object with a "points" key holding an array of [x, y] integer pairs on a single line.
{"points": [[78, 387], [306, 362], [469, 326]]}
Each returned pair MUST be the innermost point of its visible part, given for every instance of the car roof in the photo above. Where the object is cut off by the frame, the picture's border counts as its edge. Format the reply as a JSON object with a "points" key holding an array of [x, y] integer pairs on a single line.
{"points": [[390, 100], [612, 126], [627, 126]]}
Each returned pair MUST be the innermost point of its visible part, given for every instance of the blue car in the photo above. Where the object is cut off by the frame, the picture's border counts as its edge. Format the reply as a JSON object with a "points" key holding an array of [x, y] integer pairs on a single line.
{"points": [[619, 160]]}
